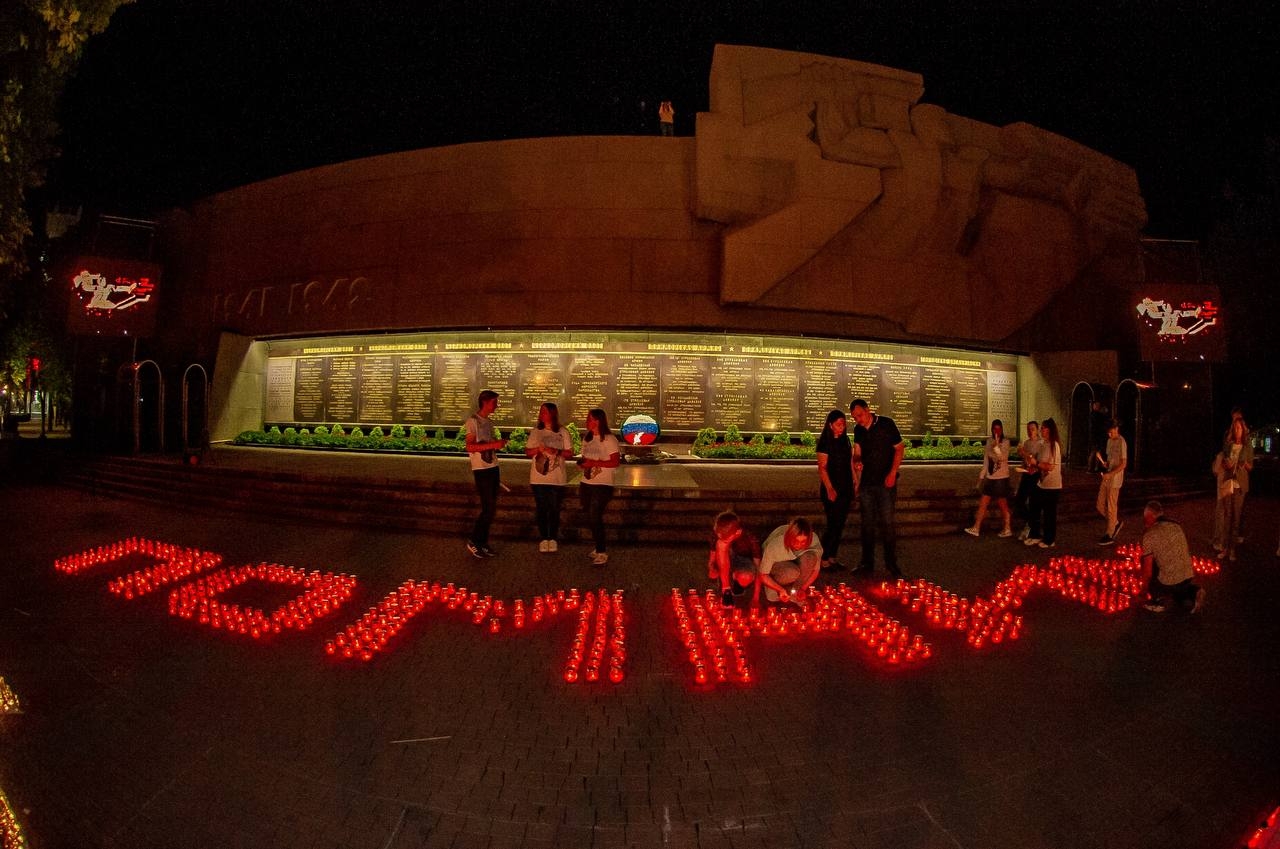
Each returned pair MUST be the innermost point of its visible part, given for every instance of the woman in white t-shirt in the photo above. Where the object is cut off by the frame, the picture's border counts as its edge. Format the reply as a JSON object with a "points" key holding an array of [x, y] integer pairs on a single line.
{"points": [[1044, 507], [548, 447], [994, 481], [600, 456]]}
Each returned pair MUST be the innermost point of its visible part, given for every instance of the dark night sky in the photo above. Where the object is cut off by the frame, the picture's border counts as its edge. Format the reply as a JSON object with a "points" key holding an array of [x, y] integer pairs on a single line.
{"points": [[181, 98]]}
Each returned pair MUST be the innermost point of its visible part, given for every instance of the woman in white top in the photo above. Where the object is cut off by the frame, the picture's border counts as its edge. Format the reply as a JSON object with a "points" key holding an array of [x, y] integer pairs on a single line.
{"points": [[1044, 507], [994, 481], [1232, 466], [548, 447], [600, 456]]}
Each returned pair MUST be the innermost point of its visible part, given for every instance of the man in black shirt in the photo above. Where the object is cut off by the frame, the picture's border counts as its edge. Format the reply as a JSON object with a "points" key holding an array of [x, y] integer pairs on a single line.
{"points": [[877, 456]]}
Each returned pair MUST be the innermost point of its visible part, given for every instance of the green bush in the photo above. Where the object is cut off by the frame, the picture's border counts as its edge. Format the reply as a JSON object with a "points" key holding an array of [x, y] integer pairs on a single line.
{"points": [[337, 431], [377, 432], [322, 431], [782, 438], [517, 441], [397, 431], [706, 436], [808, 440], [732, 434], [416, 432]]}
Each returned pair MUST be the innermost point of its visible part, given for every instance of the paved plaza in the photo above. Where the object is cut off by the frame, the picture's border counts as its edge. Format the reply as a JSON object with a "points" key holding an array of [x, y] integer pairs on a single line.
{"points": [[142, 729]]}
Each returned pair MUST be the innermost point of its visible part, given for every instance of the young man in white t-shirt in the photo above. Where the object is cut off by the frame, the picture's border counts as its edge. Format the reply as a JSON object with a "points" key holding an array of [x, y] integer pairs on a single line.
{"points": [[483, 450]]}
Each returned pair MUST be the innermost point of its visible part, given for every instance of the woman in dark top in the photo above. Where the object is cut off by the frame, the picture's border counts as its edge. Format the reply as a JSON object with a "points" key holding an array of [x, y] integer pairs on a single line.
{"points": [[835, 468]]}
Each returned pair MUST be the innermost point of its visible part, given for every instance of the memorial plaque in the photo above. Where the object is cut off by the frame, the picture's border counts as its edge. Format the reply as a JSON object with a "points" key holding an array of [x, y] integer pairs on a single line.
{"points": [[1002, 398], [777, 394], [377, 386], [732, 388], [454, 399], [900, 397], [819, 393], [635, 385], [541, 380], [936, 384], [864, 382], [588, 387], [280, 390], [971, 415], [684, 392], [500, 373], [309, 389], [414, 377], [686, 382], [344, 389]]}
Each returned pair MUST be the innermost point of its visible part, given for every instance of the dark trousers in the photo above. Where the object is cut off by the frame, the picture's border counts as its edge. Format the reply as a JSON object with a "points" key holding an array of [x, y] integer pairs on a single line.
{"points": [[1044, 514], [876, 505], [1183, 593], [837, 514], [595, 498], [546, 500], [487, 486], [1026, 491]]}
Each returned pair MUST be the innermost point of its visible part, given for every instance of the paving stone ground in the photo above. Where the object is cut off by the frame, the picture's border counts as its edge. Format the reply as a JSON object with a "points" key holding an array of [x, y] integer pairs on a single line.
{"points": [[143, 730]]}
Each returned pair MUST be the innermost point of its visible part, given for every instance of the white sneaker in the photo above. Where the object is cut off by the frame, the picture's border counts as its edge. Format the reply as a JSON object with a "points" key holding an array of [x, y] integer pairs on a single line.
{"points": [[599, 558], [973, 532], [552, 546], [1005, 534], [1024, 533], [1031, 541], [1047, 544], [542, 546]]}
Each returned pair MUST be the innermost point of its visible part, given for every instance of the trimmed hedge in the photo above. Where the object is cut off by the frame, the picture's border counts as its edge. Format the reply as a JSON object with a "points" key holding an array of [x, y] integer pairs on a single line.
{"points": [[416, 440], [779, 447]]}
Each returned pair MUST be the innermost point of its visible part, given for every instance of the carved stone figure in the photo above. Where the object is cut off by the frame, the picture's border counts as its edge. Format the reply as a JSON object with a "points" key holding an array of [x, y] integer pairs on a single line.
{"points": [[845, 193]]}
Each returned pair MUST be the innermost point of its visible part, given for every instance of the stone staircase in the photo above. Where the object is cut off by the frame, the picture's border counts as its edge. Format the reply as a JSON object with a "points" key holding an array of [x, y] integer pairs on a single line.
{"points": [[667, 516]]}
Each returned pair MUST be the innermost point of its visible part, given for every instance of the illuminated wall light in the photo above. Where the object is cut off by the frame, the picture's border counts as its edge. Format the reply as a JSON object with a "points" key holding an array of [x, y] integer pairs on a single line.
{"points": [[8, 700], [11, 836], [321, 595]]}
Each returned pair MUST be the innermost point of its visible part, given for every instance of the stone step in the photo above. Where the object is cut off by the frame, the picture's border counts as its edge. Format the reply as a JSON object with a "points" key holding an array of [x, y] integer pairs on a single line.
{"points": [[448, 507]]}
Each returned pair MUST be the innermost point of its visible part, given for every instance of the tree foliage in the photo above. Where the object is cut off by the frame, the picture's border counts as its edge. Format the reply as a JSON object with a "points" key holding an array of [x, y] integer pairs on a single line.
{"points": [[40, 44]]}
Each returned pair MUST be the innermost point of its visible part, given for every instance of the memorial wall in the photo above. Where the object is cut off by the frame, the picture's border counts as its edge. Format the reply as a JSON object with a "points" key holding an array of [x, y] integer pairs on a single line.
{"points": [[685, 381]]}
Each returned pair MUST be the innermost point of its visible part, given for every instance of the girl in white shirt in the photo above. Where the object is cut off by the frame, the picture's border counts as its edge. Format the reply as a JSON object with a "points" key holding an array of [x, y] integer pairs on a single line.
{"points": [[548, 447], [600, 456]]}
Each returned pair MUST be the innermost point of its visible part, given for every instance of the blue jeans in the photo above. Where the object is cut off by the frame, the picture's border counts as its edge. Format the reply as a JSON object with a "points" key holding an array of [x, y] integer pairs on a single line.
{"points": [[877, 508]]}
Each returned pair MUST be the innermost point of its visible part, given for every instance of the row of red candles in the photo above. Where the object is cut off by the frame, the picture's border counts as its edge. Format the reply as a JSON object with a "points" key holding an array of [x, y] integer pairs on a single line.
{"points": [[1108, 585]]}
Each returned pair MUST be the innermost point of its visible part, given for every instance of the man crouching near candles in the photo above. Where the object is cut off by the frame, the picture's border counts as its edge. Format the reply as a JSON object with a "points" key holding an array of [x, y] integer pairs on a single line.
{"points": [[1166, 563], [735, 559], [790, 562]]}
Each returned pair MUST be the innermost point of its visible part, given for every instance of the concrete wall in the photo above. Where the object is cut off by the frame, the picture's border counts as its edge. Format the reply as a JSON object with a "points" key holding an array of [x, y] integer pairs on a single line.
{"points": [[238, 387]]}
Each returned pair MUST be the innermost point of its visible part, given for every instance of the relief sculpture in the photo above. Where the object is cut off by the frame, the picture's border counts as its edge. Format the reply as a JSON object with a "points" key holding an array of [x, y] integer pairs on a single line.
{"points": [[844, 193]]}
